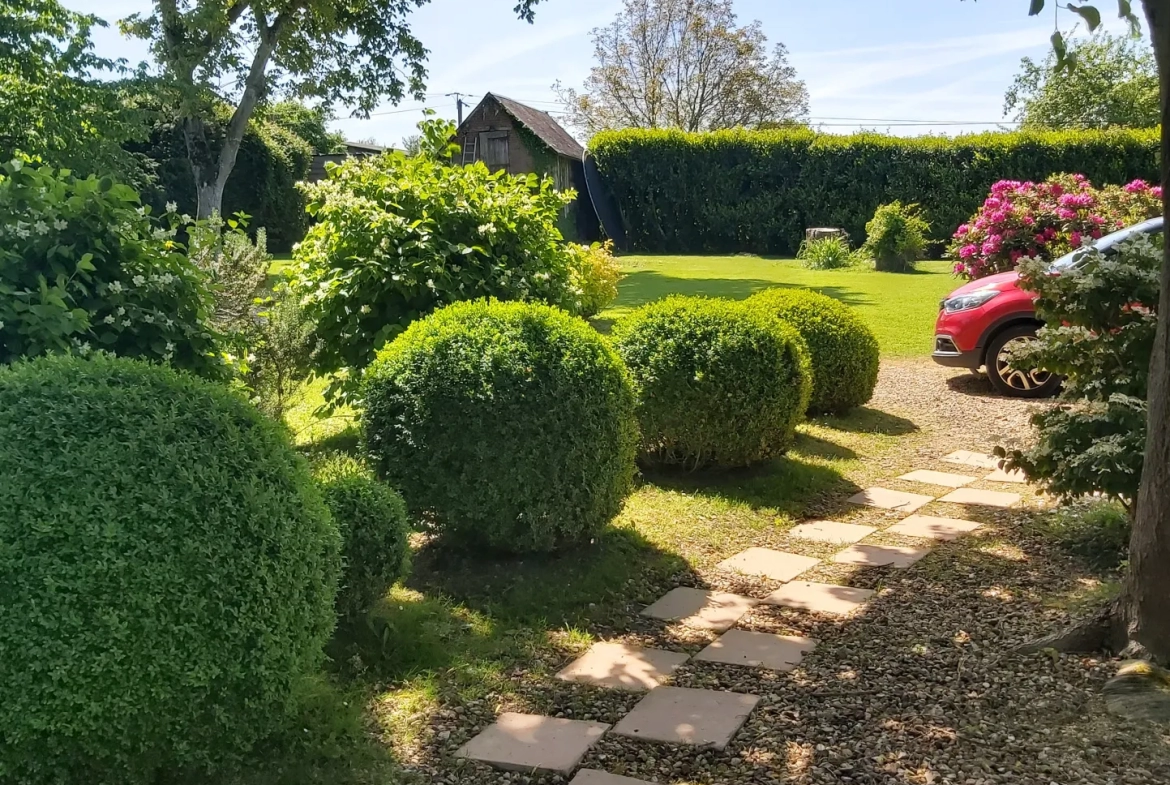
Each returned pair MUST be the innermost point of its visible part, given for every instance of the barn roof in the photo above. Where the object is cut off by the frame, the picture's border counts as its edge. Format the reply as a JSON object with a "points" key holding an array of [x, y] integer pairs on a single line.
{"points": [[542, 125]]}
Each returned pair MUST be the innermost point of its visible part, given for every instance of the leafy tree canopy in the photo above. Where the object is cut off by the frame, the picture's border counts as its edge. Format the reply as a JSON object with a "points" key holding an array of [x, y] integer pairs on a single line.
{"points": [[1114, 84]]}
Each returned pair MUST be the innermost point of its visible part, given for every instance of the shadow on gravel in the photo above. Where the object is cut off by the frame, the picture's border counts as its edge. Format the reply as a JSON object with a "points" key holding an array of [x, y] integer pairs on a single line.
{"points": [[972, 384], [867, 420]]}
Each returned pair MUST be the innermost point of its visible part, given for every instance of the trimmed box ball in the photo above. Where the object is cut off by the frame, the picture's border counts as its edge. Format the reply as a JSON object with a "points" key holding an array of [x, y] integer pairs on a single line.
{"points": [[506, 426], [168, 568], [718, 384]]}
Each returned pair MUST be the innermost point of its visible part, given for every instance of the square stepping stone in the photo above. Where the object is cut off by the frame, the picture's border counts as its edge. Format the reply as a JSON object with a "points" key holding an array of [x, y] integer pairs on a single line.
{"points": [[831, 531], [944, 479], [880, 556], [885, 499], [594, 777], [757, 650], [979, 460], [933, 528], [622, 667], [819, 597], [700, 609], [983, 498], [529, 742], [999, 475], [676, 715], [777, 565]]}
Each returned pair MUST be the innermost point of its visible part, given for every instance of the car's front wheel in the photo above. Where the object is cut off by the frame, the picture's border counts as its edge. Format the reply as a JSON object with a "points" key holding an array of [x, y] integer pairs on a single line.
{"points": [[1013, 381]]}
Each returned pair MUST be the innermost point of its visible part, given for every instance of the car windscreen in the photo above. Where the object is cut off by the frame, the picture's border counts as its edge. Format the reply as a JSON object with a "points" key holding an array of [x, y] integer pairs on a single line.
{"points": [[1109, 241]]}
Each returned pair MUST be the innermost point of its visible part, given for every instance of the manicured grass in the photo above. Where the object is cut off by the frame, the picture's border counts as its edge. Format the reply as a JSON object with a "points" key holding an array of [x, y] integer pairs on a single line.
{"points": [[899, 307]]}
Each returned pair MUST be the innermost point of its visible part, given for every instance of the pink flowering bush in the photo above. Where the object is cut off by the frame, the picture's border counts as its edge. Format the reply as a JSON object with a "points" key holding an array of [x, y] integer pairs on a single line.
{"points": [[1045, 220]]}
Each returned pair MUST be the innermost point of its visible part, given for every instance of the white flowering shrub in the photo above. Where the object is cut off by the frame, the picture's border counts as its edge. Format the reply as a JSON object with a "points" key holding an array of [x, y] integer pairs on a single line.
{"points": [[84, 267], [396, 237]]}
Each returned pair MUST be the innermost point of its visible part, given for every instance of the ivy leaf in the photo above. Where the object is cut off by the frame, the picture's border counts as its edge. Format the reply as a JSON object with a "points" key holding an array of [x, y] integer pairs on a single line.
{"points": [[1089, 13], [1036, 7]]}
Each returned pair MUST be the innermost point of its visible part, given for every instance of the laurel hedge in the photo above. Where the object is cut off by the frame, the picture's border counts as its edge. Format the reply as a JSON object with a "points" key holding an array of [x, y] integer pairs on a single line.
{"points": [[756, 191]]}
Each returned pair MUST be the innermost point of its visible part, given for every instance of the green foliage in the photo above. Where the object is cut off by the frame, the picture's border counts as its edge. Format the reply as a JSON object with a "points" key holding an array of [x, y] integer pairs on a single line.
{"points": [[757, 191], [1096, 531], [371, 517], [236, 266], [843, 351], [718, 383], [896, 237], [594, 276], [280, 341], [263, 183], [505, 425], [826, 253], [1114, 84], [51, 107], [398, 237], [169, 572], [436, 137], [1100, 334], [307, 123], [83, 267]]}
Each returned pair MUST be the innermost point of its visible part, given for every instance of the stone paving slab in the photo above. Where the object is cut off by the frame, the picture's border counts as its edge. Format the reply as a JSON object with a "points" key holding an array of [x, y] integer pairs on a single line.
{"points": [[945, 479], [529, 742], [885, 499], [700, 609], [757, 650], [1015, 476], [982, 498], [676, 715], [880, 556], [819, 597], [777, 565], [933, 528], [979, 460], [831, 531], [621, 667], [594, 777]]}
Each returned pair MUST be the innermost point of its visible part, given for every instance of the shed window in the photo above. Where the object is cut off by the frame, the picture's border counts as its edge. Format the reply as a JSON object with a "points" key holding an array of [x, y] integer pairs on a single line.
{"points": [[494, 148]]}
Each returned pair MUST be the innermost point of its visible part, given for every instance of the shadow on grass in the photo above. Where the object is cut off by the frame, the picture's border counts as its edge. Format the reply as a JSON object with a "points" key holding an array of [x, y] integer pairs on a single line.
{"points": [[811, 446], [643, 286], [866, 420], [786, 485]]}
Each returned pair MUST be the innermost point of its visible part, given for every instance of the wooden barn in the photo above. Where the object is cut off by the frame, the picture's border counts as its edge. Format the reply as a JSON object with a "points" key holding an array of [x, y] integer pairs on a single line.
{"points": [[510, 136]]}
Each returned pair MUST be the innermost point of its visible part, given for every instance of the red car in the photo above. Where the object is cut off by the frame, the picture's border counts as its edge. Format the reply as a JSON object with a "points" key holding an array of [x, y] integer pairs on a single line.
{"points": [[979, 321]]}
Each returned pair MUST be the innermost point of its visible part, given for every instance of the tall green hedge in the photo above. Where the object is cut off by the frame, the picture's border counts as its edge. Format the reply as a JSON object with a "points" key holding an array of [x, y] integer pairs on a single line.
{"points": [[757, 191]]}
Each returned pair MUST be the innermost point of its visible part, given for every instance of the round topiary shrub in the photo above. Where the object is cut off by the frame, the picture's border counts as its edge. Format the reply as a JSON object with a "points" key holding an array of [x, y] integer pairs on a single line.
{"points": [[718, 383], [375, 535], [169, 572], [505, 425], [843, 351]]}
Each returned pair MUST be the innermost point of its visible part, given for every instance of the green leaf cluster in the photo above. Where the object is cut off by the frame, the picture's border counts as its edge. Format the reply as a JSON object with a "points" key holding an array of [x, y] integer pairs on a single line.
{"points": [[169, 573], [1101, 318], [757, 191], [895, 238], [85, 267], [371, 517], [398, 237], [719, 383], [507, 426], [843, 351], [594, 276]]}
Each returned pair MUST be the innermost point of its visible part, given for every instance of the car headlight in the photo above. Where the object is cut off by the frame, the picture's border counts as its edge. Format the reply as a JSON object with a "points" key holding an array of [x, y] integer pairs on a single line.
{"points": [[965, 302]]}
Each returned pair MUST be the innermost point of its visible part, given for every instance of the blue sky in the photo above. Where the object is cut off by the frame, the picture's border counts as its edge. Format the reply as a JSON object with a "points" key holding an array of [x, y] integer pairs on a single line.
{"points": [[864, 61]]}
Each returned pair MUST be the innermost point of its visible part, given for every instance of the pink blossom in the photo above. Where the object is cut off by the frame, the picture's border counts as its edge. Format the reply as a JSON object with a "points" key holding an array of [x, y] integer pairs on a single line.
{"points": [[1074, 239], [1097, 219], [1015, 255], [962, 230], [998, 217], [967, 251], [1066, 214], [1136, 187], [1040, 239], [1156, 192], [993, 202], [1076, 200], [1029, 220], [1095, 234], [992, 244], [1050, 232]]}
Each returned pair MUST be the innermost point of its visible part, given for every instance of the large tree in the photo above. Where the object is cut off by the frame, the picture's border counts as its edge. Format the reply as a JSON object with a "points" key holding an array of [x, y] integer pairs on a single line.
{"points": [[354, 53], [685, 64], [51, 104], [1114, 84], [1137, 623]]}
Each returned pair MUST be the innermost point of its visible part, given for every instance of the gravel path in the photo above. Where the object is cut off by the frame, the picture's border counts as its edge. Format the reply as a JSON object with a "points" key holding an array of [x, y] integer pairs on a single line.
{"points": [[922, 686]]}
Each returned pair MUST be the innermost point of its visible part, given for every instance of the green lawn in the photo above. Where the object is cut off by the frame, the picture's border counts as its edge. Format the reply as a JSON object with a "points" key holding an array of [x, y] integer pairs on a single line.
{"points": [[899, 307]]}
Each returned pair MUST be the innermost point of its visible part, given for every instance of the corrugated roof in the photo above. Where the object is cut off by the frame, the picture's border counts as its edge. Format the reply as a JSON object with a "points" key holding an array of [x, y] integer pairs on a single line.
{"points": [[540, 123]]}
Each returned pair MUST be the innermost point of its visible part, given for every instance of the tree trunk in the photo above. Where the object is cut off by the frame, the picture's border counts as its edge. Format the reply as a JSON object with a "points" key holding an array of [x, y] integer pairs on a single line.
{"points": [[1144, 605]]}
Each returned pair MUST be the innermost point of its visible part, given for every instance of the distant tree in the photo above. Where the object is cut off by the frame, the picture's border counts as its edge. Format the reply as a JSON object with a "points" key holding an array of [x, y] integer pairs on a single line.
{"points": [[308, 122], [51, 105], [354, 53], [412, 144], [685, 64], [1114, 83]]}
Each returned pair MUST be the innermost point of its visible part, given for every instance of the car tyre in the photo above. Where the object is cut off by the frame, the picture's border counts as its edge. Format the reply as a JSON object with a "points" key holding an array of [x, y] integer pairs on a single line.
{"points": [[1017, 383]]}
